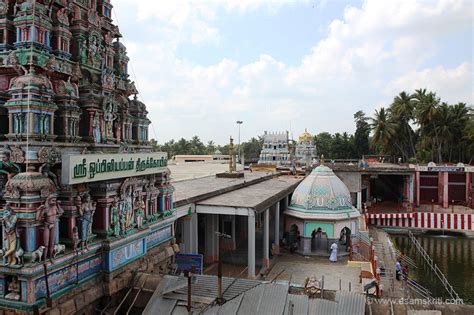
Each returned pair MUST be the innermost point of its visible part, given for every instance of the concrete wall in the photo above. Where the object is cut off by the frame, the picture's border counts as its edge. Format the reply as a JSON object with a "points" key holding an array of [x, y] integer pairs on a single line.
{"points": [[351, 179]]}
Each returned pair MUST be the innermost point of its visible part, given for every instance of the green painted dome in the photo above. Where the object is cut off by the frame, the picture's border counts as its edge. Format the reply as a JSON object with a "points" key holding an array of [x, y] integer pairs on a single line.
{"points": [[322, 190]]}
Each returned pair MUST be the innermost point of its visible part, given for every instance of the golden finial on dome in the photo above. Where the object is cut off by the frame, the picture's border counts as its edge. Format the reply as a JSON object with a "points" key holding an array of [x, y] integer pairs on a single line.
{"points": [[306, 136]]}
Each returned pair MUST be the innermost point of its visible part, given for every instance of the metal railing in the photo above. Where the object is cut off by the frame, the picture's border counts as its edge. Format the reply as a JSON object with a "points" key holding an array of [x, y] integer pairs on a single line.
{"points": [[444, 281], [417, 289]]}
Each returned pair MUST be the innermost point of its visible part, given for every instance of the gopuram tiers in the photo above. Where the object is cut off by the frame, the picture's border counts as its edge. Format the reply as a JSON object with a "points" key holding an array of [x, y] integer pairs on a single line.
{"points": [[82, 194]]}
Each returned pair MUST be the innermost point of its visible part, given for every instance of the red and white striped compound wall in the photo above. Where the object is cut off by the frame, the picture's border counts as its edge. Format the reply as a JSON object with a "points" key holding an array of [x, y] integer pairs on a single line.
{"points": [[424, 220]]}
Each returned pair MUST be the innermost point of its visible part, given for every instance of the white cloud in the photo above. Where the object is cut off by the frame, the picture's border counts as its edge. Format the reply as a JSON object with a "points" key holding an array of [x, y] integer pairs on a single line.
{"points": [[368, 55], [452, 85]]}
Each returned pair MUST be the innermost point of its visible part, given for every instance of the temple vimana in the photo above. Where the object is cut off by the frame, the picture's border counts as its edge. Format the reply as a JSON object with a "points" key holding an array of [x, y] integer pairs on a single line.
{"points": [[84, 200]]}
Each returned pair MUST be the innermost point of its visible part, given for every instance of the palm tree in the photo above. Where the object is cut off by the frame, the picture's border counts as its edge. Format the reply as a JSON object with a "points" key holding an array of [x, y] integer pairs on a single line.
{"points": [[383, 129], [427, 113], [445, 130], [460, 116], [402, 110]]}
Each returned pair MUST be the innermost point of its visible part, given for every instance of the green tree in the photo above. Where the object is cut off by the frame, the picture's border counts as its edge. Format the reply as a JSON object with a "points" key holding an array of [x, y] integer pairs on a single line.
{"points": [[210, 147], [251, 149], [427, 116], [402, 111], [383, 130], [323, 143], [361, 135]]}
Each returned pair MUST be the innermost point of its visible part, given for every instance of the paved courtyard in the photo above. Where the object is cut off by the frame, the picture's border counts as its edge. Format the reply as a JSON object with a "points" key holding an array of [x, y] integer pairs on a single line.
{"points": [[295, 269]]}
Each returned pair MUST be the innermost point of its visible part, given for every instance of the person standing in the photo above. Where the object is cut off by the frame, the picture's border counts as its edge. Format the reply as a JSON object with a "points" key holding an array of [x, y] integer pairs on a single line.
{"points": [[398, 269], [333, 256], [405, 272]]}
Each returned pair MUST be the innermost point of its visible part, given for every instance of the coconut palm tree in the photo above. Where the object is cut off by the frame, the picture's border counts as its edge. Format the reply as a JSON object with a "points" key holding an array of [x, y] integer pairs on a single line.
{"points": [[427, 114], [383, 129], [402, 111]]}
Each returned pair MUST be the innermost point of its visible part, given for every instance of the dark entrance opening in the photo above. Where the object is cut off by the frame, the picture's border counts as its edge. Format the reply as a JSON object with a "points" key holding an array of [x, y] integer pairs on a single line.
{"points": [[387, 188]]}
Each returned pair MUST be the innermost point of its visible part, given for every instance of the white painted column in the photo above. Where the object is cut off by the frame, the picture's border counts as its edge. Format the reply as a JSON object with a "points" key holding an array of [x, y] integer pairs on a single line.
{"points": [[446, 200], [277, 228], [411, 189], [190, 234], [251, 245], [359, 201], [266, 238]]}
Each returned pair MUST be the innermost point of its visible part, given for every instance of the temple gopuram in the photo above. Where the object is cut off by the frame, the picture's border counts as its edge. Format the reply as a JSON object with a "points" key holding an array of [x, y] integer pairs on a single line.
{"points": [[275, 149], [305, 151], [84, 200]]}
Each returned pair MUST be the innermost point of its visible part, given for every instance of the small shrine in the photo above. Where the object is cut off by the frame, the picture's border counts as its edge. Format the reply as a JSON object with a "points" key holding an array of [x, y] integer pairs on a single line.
{"points": [[320, 213]]}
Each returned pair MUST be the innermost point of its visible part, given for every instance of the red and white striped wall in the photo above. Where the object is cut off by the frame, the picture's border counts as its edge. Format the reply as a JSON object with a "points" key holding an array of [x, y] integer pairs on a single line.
{"points": [[424, 220]]}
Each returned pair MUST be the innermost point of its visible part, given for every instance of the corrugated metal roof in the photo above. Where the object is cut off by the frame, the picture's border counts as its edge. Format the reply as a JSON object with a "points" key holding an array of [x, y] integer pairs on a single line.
{"points": [[350, 303], [157, 304], [206, 286], [273, 299], [251, 301], [231, 307], [245, 297], [300, 304], [322, 307]]}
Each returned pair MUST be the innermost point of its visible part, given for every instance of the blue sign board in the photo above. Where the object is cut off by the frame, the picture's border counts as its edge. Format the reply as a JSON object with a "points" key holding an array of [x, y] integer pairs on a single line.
{"points": [[188, 261]]}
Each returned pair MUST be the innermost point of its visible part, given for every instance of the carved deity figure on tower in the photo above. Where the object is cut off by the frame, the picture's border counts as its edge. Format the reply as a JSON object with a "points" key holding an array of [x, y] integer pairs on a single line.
{"points": [[11, 235], [49, 214], [128, 208], [6, 165], [109, 117], [7, 168], [13, 290], [114, 218], [86, 207], [139, 205], [96, 128]]}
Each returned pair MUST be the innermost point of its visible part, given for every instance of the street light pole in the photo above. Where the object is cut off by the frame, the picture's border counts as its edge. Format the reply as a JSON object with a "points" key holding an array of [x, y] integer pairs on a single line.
{"points": [[239, 122]]}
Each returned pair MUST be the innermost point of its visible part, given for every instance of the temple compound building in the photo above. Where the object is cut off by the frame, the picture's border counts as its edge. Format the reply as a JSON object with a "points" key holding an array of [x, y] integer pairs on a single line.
{"points": [[275, 150], [320, 212], [279, 150], [305, 151], [82, 196]]}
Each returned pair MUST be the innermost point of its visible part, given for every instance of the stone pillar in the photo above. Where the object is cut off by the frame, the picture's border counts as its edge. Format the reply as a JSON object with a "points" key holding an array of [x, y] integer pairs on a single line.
{"points": [[266, 238], [417, 185], [445, 190], [277, 228], [31, 239], [305, 245], [359, 201], [468, 187], [286, 203], [210, 251], [190, 235], [410, 189], [251, 245]]}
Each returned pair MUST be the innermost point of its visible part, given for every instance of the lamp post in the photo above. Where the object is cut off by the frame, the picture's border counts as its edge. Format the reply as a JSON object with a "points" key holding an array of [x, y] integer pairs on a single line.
{"points": [[239, 122]]}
